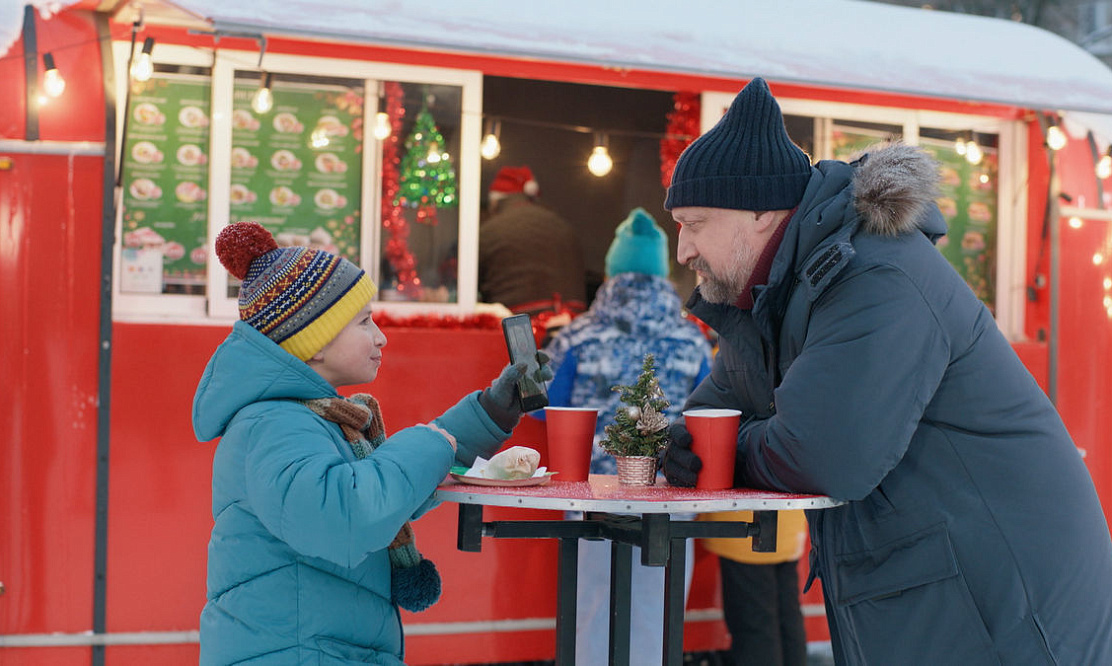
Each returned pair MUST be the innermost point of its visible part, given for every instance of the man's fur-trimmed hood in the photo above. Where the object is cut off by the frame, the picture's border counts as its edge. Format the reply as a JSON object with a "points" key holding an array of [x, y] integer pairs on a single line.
{"points": [[895, 187]]}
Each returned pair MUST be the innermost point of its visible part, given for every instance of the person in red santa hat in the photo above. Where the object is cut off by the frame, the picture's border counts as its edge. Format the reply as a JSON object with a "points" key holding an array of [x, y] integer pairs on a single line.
{"points": [[530, 259]]}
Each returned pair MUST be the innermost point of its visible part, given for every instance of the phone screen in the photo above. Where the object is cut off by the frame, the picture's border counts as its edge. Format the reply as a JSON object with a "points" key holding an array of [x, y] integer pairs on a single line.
{"points": [[523, 348]]}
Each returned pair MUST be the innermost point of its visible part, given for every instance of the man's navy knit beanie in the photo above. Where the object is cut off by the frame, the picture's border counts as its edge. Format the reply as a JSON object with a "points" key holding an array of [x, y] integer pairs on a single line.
{"points": [[745, 162]]}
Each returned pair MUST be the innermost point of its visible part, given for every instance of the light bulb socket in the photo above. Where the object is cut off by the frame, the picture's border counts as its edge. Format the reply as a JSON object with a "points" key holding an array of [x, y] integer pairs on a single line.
{"points": [[266, 80], [48, 61], [148, 46]]}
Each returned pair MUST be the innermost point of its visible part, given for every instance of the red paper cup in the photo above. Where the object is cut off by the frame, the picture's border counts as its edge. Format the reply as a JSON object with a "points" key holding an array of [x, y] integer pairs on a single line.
{"points": [[571, 432], [714, 440]]}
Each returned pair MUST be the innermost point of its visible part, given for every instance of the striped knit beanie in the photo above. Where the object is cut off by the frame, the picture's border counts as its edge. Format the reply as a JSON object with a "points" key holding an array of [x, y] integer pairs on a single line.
{"points": [[297, 296], [745, 162]]}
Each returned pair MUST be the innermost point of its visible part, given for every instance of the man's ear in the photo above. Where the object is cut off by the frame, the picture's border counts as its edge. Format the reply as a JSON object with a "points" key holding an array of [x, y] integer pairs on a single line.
{"points": [[766, 221]]}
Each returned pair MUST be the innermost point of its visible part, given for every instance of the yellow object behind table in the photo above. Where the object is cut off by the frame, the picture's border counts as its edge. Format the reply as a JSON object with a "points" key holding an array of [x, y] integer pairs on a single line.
{"points": [[791, 533]]}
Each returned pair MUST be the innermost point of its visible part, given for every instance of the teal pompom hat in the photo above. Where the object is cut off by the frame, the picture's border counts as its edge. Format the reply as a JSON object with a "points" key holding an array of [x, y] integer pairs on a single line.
{"points": [[745, 162], [639, 246]]}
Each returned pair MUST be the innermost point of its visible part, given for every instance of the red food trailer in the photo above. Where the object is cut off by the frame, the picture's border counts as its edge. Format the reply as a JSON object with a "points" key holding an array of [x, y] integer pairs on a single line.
{"points": [[112, 188]]}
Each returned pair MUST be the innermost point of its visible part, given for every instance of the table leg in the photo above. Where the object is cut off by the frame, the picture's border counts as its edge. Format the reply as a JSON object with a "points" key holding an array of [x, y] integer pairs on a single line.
{"points": [[469, 532], [674, 574], [621, 568], [566, 582], [765, 539]]}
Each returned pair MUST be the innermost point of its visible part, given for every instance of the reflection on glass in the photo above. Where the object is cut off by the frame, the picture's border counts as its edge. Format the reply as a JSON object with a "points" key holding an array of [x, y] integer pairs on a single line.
{"points": [[164, 219], [420, 195], [297, 169], [967, 199]]}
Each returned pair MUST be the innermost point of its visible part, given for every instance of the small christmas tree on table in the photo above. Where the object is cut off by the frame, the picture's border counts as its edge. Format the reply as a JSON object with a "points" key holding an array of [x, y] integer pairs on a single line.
{"points": [[640, 429]]}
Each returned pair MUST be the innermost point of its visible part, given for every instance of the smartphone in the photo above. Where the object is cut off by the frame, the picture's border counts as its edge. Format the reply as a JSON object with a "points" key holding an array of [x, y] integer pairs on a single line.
{"points": [[523, 349]]}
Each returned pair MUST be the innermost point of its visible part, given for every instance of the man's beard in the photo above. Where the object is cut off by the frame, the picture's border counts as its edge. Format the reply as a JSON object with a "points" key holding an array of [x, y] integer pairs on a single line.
{"points": [[727, 286]]}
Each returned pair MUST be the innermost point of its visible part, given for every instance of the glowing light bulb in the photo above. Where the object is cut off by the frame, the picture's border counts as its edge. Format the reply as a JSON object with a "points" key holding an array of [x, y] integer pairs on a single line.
{"points": [[382, 125], [263, 100], [1098, 259], [1075, 222], [490, 147], [143, 67], [959, 146], [983, 178], [1055, 138], [318, 138], [600, 163], [52, 82], [973, 153], [1108, 283], [1104, 167]]}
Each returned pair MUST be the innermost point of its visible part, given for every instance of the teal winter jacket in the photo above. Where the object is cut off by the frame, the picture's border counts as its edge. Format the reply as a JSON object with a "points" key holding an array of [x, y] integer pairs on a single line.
{"points": [[298, 571]]}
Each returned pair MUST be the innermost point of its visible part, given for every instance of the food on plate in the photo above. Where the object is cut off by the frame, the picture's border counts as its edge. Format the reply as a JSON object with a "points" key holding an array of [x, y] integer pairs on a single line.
{"points": [[284, 196], [243, 159], [193, 117], [516, 462], [189, 192], [191, 154], [284, 160], [243, 120], [331, 126], [287, 123], [145, 189], [330, 163], [329, 198], [239, 194], [146, 152], [148, 114]]}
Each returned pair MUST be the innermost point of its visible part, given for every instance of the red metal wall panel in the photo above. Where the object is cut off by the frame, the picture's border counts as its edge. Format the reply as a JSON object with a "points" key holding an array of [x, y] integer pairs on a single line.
{"points": [[49, 306]]}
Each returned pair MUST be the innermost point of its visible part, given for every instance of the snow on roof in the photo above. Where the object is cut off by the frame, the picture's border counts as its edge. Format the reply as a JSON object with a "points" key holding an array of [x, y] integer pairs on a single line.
{"points": [[862, 45]]}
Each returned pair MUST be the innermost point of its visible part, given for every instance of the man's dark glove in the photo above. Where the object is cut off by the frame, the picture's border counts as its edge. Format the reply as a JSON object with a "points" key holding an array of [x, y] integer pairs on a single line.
{"points": [[681, 465], [500, 399]]}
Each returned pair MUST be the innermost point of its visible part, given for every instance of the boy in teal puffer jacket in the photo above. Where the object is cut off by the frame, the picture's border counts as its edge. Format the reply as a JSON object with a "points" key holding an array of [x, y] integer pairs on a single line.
{"points": [[311, 552]]}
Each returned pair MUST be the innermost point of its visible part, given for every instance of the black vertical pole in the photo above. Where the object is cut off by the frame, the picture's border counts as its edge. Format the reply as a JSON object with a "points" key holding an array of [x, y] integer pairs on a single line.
{"points": [[104, 338], [31, 69]]}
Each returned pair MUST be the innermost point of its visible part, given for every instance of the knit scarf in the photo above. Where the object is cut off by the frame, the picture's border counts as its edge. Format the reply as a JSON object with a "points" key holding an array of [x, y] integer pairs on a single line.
{"points": [[414, 581]]}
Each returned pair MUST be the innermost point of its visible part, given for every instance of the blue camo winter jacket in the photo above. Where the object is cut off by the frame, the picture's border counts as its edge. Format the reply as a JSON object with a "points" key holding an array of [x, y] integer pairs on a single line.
{"points": [[633, 314], [297, 566]]}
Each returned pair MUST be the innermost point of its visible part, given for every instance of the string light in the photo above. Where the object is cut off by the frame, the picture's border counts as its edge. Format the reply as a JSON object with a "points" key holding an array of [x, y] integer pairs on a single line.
{"points": [[1075, 222], [491, 146], [263, 100], [600, 163], [973, 152], [52, 82], [1104, 165], [1055, 138], [382, 126], [143, 67]]}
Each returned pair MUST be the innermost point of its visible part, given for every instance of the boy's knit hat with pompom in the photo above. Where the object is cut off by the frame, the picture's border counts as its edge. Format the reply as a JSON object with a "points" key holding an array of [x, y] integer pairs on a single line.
{"points": [[297, 296]]}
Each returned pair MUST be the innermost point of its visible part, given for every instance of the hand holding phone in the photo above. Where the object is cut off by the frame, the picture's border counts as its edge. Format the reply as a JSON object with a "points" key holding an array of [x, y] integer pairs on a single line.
{"points": [[522, 347]]}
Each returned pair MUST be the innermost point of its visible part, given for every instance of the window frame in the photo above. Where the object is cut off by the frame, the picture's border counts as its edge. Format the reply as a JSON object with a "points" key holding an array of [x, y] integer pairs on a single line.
{"points": [[214, 306]]}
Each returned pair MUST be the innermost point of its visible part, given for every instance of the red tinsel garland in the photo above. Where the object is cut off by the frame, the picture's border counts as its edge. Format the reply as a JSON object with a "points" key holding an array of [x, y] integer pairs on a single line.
{"points": [[393, 219], [683, 127], [450, 322]]}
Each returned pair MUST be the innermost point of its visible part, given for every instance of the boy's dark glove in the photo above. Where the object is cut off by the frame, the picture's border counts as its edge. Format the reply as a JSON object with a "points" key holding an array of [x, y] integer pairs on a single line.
{"points": [[681, 465], [500, 399]]}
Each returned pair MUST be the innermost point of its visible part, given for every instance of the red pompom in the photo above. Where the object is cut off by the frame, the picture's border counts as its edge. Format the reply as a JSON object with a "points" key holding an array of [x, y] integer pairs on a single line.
{"points": [[239, 243]]}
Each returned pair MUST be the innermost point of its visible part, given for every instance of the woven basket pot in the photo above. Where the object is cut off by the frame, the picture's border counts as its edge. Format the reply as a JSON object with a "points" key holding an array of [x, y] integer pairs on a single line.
{"points": [[636, 470]]}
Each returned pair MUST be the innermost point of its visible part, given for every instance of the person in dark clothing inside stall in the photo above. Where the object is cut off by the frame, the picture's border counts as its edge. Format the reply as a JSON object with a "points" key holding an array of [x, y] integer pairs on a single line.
{"points": [[530, 259]]}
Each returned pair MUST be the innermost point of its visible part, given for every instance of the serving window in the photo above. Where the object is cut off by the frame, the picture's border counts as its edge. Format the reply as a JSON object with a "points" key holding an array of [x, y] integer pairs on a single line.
{"points": [[980, 159], [376, 163]]}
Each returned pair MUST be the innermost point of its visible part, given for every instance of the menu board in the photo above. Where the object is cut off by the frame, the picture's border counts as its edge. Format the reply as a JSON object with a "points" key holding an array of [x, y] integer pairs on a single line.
{"points": [[297, 169], [164, 178], [967, 198]]}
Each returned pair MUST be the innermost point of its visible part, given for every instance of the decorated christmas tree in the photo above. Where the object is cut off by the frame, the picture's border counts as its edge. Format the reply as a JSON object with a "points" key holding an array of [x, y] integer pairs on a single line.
{"points": [[427, 177], [640, 428]]}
